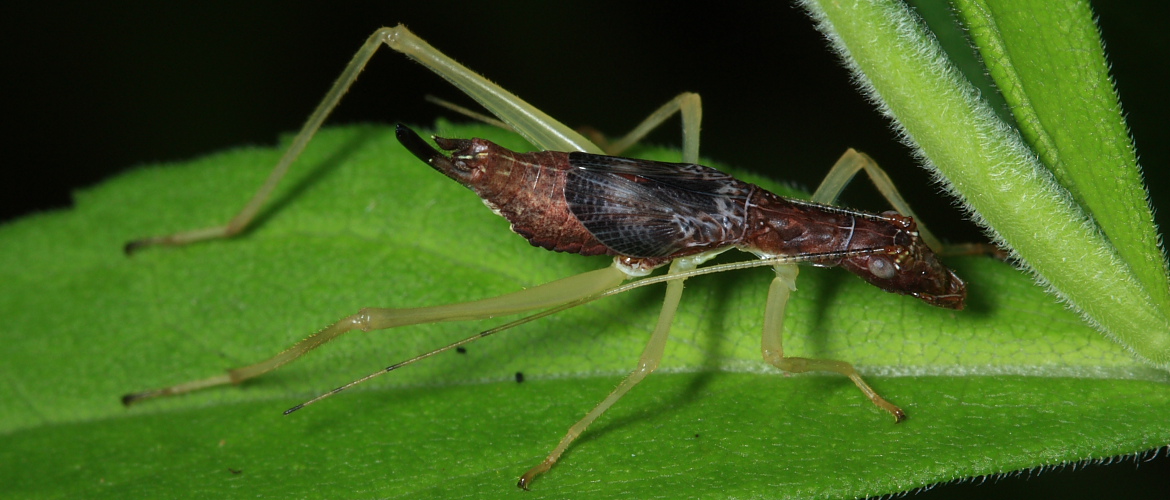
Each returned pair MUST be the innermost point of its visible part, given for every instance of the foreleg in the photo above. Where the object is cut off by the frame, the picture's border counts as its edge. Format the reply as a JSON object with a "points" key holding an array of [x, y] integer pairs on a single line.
{"points": [[842, 174], [773, 347]]}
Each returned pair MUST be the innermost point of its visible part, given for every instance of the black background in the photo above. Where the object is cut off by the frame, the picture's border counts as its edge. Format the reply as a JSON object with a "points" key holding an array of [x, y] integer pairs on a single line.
{"points": [[92, 90]]}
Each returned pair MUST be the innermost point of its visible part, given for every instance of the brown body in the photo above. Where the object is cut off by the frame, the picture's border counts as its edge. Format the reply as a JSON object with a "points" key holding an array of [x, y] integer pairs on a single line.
{"points": [[649, 213]]}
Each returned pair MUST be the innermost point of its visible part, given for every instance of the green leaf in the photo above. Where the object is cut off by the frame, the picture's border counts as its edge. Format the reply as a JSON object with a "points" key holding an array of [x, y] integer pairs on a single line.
{"points": [[1063, 191], [1072, 121], [1012, 382]]}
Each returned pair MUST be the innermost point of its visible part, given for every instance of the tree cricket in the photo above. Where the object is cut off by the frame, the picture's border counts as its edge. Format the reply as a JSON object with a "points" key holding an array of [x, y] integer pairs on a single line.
{"points": [[575, 197]]}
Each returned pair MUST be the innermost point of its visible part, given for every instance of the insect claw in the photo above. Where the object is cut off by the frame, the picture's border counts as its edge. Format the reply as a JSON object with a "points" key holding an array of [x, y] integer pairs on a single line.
{"points": [[899, 416], [133, 246], [130, 399]]}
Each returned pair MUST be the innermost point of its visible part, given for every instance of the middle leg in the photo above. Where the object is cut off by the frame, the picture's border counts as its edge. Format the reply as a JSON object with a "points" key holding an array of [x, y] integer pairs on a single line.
{"points": [[649, 360], [772, 346]]}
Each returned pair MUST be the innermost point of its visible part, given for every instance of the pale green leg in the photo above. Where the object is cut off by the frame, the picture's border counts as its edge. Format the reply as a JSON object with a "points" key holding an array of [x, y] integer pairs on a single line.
{"points": [[539, 297], [689, 106], [686, 104], [785, 282], [649, 360], [843, 172], [536, 126], [773, 348]]}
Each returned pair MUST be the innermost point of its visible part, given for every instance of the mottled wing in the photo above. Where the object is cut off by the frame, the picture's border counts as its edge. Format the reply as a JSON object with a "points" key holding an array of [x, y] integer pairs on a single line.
{"points": [[642, 208]]}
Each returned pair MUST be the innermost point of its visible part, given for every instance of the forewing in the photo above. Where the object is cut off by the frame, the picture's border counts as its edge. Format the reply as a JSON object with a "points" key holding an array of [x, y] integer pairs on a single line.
{"points": [[642, 208]]}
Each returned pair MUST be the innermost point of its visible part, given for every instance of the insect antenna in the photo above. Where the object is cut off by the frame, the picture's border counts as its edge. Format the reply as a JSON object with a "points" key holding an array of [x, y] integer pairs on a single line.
{"points": [[474, 115], [448, 347]]}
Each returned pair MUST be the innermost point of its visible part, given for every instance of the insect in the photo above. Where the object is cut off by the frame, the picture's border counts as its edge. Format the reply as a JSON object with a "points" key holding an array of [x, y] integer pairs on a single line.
{"points": [[645, 214]]}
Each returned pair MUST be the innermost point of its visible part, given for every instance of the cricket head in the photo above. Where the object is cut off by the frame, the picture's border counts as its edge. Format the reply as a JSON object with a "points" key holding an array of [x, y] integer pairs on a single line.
{"points": [[910, 267]]}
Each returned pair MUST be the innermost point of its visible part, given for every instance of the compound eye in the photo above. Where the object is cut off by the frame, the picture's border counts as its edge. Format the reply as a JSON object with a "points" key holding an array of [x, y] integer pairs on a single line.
{"points": [[882, 267]]}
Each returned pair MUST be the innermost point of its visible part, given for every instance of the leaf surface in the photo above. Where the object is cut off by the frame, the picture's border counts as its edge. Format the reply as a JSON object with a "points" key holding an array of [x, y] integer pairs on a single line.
{"points": [[1012, 382]]}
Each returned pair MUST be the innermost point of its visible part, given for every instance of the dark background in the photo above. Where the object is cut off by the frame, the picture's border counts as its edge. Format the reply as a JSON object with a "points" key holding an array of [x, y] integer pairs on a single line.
{"points": [[92, 90]]}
